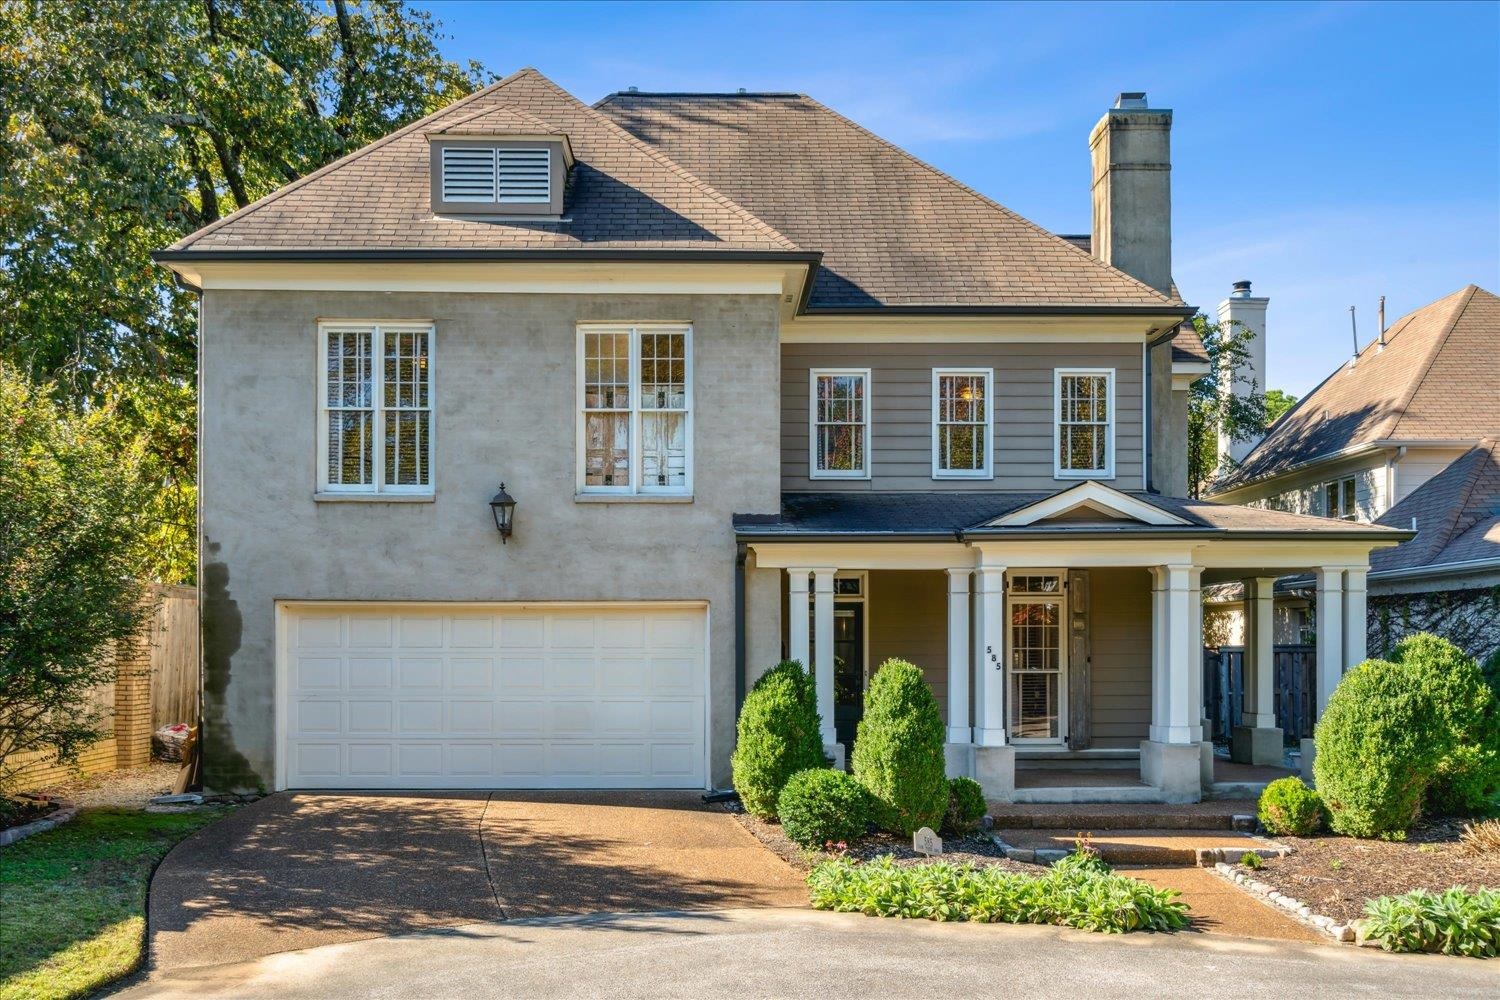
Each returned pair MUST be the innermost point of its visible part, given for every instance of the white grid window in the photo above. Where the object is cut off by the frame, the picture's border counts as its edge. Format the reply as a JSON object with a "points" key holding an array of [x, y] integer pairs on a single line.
{"points": [[375, 435], [1341, 500], [840, 423], [635, 410], [961, 423], [1085, 423]]}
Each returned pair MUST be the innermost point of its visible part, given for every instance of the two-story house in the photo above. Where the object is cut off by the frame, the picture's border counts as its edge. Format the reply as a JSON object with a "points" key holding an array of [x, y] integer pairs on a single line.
{"points": [[761, 385], [1403, 434]]}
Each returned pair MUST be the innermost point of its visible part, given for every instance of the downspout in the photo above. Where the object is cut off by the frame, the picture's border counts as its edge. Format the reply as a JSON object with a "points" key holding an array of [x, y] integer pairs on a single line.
{"points": [[1146, 427], [741, 550]]}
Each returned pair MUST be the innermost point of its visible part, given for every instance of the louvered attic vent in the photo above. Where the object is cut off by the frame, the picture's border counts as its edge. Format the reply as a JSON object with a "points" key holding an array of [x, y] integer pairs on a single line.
{"points": [[499, 176]]}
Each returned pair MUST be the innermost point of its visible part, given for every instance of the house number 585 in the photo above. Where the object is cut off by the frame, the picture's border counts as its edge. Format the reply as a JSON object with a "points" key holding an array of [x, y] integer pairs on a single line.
{"points": [[990, 650]]}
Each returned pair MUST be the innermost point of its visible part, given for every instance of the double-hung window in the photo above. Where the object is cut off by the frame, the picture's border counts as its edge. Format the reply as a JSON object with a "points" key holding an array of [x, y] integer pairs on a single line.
{"points": [[635, 420], [839, 423], [375, 396], [1340, 500], [1085, 432], [961, 423]]}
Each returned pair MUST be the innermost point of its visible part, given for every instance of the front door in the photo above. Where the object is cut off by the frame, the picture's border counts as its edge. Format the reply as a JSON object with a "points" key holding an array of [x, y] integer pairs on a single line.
{"points": [[1037, 662], [848, 672]]}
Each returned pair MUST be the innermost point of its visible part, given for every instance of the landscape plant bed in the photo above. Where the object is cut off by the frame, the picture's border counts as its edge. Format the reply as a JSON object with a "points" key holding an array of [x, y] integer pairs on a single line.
{"points": [[1336, 876], [977, 849], [20, 810]]}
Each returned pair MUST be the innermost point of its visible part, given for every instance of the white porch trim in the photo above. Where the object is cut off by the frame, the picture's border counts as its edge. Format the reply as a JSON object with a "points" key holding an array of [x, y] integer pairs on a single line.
{"points": [[959, 730], [1095, 495]]}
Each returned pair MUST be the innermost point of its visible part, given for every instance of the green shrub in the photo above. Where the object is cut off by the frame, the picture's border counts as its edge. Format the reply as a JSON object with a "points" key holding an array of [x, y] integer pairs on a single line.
{"points": [[1251, 860], [1468, 770], [898, 751], [1455, 922], [1375, 749], [823, 806], [777, 736], [1083, 860], [1069, 896], [1289, 807], [966, 806]]}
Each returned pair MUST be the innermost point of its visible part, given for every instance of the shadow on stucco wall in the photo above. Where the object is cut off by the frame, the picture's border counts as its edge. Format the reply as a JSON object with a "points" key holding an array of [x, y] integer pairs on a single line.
{"points": [[225, 769]]}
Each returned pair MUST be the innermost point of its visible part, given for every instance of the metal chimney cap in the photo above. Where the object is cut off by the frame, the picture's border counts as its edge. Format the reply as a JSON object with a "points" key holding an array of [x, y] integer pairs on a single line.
{"points": [[1241, 289], [1131, 99]]}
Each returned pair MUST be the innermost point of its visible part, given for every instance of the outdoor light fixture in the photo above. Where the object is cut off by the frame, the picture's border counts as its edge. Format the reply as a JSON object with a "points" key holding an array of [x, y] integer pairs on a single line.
{"points": [[503, 506]]}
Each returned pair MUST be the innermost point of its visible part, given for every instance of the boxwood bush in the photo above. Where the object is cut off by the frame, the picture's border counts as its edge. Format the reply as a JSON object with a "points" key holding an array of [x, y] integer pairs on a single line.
{"points": [[1069, 895], [823, 806], [1289, 807], [898, 751], [1454, 922], [1467, 775], [777, 736], [966, 806], [1375, 749]]}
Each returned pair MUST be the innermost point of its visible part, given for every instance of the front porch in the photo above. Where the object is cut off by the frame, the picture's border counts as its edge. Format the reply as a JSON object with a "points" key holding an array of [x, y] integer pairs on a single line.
{"points": [[1063, 642]]}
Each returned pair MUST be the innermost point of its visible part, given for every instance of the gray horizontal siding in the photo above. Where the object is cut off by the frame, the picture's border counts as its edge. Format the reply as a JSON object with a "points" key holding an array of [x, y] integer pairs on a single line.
{"points": [[1120, 655], [901, 410]]}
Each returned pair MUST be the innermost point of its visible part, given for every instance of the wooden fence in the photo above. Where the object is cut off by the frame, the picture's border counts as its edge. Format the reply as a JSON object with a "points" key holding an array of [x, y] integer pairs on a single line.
{"points": [[175, 665], [1296, 687]]}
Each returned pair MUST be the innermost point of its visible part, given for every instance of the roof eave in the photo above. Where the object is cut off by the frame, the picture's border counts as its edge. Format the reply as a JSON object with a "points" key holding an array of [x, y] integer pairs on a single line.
{"points": [[1165, 311]]}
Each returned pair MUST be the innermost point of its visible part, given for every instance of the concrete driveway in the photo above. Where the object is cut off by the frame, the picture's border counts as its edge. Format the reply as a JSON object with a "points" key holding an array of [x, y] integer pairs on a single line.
{"points": [[296, 871], [803, 953]]}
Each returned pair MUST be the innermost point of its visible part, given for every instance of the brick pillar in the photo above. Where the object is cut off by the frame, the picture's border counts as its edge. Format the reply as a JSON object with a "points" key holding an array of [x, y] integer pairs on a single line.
{"points": [[133, 695]]}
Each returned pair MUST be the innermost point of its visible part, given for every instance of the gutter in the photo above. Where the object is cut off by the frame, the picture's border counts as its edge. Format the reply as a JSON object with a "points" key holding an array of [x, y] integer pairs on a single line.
{"points": [[1353, 451], [430, 255], [1185, 312], [969, 535], [1437, 569]]}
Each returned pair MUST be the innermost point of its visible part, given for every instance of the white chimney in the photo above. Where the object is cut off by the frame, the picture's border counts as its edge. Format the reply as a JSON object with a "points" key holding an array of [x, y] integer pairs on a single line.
{"points": [[1245, 311]]}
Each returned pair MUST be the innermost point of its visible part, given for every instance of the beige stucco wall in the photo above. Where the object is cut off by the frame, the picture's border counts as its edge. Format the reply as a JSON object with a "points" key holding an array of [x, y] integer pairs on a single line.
{"points": [[505, 400]]}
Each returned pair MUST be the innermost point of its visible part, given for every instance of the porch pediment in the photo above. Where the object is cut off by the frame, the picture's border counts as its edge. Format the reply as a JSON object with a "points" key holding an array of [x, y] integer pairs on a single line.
{"points": [[1089, 502]]}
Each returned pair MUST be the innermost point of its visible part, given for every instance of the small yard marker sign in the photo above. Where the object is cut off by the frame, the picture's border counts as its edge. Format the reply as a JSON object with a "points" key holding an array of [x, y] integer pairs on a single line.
{"points": [[924, 841]]}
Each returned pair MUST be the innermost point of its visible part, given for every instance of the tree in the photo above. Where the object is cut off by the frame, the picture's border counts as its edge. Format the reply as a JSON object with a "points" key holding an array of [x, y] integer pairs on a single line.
{"points": [[70, 531], [1277, 403], [1212, 408], [128, 125]]}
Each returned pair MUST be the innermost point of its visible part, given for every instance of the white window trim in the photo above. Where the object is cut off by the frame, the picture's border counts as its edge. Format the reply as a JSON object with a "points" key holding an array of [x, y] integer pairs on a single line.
{"points": [[813, 472], [1108, 472], [988, 471], [635, 489], [377, 488]]}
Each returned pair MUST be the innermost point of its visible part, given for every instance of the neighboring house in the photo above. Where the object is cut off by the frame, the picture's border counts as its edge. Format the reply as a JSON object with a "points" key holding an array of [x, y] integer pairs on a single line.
{"points": [[1403, 435], [762, 384]]}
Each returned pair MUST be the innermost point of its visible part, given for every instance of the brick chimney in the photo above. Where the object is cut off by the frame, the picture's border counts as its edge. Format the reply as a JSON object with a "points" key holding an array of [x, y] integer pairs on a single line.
{"points": [[1248, 312], [1131, 147]]}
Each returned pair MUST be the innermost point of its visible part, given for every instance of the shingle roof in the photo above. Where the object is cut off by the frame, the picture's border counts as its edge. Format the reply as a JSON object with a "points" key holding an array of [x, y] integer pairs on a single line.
{"points": [[1457, 515], [1436, 379], [624, 194], [893, 231], [949, 512]]}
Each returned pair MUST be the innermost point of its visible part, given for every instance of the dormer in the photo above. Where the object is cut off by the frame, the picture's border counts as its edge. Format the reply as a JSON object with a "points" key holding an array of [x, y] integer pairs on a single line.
{"points": [[499, 164]]}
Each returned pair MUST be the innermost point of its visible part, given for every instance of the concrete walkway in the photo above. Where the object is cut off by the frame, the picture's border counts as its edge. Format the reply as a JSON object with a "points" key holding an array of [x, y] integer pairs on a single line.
{"points": [[297, 871], [1220, 907], [802, 953]]}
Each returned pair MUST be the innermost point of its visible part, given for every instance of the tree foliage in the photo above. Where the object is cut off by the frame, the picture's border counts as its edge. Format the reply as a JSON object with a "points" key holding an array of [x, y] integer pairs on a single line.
{"points": [[70, 513], [1277, 403], [128, 125], [1212, 408]]}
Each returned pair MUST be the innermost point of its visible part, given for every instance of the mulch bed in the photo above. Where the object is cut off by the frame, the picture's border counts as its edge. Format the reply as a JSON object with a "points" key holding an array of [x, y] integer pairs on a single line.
{"points": [[968, 850], [23, 809], [1336, 875]]}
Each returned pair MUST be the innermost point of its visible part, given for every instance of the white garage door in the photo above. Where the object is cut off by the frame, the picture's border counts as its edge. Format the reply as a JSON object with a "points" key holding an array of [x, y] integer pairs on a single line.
{"points": [[485, 696]]}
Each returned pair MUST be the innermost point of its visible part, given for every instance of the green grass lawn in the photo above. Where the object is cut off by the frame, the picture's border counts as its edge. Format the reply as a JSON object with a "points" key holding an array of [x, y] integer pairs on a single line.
{"points": [[73, 899]]}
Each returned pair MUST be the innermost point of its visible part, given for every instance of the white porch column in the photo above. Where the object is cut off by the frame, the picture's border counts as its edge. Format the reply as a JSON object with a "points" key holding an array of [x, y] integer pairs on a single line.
{"points": [[1195, 648], [1256, 739], [959, 730], [1158, 655], [1354, 617], [990, 648], [1179, 667], [797, 631], [823, 654], [1330, 632], [1172, 760]]}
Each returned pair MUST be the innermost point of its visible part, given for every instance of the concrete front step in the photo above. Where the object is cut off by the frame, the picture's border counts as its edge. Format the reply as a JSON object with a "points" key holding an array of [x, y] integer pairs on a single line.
{"points": [[1088, 793], [1236, 789], [1217, 815], [1136, 847]]}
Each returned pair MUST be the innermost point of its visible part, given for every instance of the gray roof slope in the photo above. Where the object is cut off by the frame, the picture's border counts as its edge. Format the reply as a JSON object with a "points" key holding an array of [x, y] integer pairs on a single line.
{"points": [[893, 230], [1436, 379], [948, 512], [624, 193], [1457, 514]]}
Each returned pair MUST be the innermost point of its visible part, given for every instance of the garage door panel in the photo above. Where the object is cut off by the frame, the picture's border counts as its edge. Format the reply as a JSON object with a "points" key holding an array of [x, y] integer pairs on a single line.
{"points": [[488, 696]]}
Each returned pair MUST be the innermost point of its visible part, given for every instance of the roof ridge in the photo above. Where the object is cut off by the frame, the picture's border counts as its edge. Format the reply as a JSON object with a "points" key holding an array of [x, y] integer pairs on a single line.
{"points": [[1010, 213], [525, 116], [1432, 354], [671, 164], [348, 157]]}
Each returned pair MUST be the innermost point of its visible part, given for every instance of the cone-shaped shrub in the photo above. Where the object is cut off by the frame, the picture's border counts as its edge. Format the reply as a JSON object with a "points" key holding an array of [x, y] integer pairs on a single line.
{"points": [[1468, 769], [777, 736], [1375, 749], [898, 751]]}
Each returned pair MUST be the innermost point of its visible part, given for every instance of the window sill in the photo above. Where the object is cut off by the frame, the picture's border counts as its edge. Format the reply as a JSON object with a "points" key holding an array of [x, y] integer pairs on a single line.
{"points": [[1098, 475], [632, 498], [374, 497]]}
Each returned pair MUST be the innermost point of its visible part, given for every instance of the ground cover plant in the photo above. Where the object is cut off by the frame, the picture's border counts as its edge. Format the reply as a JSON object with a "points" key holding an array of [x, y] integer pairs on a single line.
{"points": [[777, 736], [1454, 922], [73, 917], [1079, 891]]}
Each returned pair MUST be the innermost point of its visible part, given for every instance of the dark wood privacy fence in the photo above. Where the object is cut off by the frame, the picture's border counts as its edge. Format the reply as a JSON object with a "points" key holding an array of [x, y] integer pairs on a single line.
{"points": [[1296, 687]]}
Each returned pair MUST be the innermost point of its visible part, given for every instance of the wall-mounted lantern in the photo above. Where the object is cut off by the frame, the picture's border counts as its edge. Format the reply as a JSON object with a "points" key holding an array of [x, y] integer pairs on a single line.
{"points": [[503, 506]]}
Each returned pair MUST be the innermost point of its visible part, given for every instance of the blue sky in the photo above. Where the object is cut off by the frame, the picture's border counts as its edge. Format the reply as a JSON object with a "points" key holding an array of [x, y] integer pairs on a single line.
{"points": [[1331, 153]]}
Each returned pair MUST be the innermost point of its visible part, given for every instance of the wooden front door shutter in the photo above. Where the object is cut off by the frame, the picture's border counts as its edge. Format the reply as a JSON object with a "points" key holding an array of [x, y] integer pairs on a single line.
{"points": [[1080, 718]]}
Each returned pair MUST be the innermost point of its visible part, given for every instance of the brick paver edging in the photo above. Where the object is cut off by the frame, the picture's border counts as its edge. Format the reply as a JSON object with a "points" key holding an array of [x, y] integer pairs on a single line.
{"points": [[59, 816]]}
